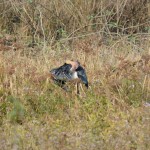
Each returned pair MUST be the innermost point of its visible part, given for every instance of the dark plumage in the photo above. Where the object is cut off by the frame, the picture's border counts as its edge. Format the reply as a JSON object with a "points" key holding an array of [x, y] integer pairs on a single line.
{"points": [[82, 75], [69, 71]]}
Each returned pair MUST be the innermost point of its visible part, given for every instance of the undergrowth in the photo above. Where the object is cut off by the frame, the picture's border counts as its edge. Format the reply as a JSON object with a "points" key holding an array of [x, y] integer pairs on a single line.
{"points": [[112, 114]]}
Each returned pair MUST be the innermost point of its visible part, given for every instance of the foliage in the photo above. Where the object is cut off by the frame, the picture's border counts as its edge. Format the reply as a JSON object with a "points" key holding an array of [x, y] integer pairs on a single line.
{"points": [[109, 39], [112, 114], [55, 20]]}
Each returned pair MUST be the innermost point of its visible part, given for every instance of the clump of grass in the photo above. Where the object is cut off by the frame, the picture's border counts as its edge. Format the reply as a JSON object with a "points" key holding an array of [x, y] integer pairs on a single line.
{"points": [[17, 114], [133, 93]]}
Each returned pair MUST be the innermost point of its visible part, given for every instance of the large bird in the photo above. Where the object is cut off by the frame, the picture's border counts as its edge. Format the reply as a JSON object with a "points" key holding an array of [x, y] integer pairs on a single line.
{"points": [[70, 71]]}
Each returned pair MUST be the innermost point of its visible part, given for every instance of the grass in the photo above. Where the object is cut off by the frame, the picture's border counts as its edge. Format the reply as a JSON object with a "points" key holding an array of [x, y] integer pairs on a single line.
{"points": [[37, 114], [110, 39]]}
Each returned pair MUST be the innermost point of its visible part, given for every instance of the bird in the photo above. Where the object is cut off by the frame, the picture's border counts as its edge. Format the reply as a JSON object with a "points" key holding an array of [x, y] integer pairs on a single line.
{"points": [[70, 71]]}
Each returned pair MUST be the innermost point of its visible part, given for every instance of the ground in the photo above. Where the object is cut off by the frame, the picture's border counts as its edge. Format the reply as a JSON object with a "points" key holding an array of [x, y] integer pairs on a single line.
{"points": [[113, 113]]}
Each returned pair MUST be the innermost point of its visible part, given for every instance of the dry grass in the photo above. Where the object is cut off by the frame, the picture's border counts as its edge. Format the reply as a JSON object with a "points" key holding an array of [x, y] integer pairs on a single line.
{"points": [[110, 39], [36, 114], [46, 20]]}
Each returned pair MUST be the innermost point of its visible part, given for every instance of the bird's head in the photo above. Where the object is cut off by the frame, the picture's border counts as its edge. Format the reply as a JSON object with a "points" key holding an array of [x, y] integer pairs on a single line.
{"points": [[74, 64]]}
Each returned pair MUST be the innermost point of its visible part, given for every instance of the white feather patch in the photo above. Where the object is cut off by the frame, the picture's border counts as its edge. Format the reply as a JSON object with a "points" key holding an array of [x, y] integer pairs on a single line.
{"points": [[74, 75]]}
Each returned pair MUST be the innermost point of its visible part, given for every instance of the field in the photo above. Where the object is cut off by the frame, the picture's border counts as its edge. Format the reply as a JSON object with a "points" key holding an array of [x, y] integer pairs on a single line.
{"points": [[35, 113]]}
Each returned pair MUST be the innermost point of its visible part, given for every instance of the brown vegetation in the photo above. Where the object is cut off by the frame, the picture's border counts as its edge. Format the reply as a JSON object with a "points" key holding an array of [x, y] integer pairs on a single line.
{"points": [[110, 38], [60, 19]]}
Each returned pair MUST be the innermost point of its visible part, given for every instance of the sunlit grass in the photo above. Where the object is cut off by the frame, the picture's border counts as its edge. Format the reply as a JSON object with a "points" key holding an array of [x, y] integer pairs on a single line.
{"points": [[37, 114]]}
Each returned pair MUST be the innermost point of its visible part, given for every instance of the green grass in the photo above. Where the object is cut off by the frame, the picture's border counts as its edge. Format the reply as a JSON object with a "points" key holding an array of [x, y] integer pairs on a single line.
{"points": [[37, 114]]}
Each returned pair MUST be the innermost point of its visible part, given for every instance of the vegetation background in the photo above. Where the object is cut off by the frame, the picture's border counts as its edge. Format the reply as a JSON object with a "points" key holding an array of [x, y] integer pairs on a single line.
{"points": [[111, 39]]}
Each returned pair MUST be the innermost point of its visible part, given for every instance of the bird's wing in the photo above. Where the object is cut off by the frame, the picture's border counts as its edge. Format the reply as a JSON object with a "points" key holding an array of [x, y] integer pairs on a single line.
{"points": [[82, 75], [62, 72]]}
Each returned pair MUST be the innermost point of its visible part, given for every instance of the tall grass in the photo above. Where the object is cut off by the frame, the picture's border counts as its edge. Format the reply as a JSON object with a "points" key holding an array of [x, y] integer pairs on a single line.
{"points": [[111, 41], [53, 20], [36, 113]]}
